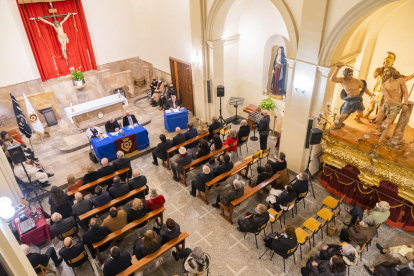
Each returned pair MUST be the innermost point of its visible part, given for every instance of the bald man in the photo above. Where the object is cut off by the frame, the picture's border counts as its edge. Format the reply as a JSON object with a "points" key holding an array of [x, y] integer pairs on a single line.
{"points": [[179, 138], [129, 119], [36, 259], [105, 171], [70, 251], [137, 182], [61, 226], [263, 129], [81, 206], [200, 180]]}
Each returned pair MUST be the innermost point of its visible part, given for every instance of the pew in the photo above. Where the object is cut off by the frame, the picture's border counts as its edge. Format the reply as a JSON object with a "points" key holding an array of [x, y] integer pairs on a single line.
{"points": [[155, 214], [193, 164], [172, 150], [178, 242], [236, 169], [99, 181], [129, 196], [248, 192]]}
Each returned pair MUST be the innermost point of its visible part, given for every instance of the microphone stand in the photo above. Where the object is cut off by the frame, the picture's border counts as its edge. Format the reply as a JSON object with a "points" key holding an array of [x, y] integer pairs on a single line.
{"points": [[33, 186]]}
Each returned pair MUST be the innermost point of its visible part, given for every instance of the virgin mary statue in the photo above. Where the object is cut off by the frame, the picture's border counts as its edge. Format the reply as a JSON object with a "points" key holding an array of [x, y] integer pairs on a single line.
{"points": [[279, 74]]}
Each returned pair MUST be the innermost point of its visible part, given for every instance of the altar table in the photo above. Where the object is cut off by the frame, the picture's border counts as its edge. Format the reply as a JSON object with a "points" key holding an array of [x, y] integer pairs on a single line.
{"points": [[175, 119], [38, 235]]}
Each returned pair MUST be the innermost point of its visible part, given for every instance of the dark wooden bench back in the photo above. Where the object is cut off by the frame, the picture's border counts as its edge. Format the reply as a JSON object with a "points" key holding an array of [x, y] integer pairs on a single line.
{"points": [[192, 140], [232, 172]]}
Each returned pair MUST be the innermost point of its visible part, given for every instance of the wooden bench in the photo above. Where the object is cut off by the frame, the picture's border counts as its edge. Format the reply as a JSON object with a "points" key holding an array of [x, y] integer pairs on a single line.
{"points": [[178, 242], [248, 192], [237, 169], [193, 164], [99, 181], [129, 196], [177, 147], [155, 214]]}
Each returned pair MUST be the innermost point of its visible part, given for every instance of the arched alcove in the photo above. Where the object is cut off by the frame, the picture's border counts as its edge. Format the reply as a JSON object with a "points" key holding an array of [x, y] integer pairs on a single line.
{"points": [[269, 54]]}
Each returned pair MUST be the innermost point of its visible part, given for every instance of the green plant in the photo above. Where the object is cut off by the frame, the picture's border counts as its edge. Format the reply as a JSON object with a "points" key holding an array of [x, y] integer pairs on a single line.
{"points": [[268, 104], [77, 75]]}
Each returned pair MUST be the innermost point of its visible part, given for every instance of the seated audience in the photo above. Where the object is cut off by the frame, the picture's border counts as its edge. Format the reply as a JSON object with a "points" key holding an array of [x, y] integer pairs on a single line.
{"points": [[101, 198], [334, 266], [62, 225], [200, 180], [173, 103], [156, 201], [60, 202], [203, 150], [112, 125], [301, 184], [137, 181], [106, 170], [379, 213], [179, 138], [34, 170], [232, 138], [118, 262], [218, 144], [202, 127], [244, 130], [160, 151], [70, 251], [122, 163], [81, 206], [263, 176], [36, 259], [391, 269], [402, 254], [162, 99], [361, 233], [95, 234], [116, 219], [279, 199], [277, 166], [146, 245], [157, 93], [72, 183], [231, 193], [168, 231], [191, 133], [91, 175], [172, 91], [329, 250], [212, 127], [137, 212], [224, 167], [153, 85], [129, 119], [93, 131], [195, 261], [118, 189], [281, 243], [254, 221], [183, 160]]}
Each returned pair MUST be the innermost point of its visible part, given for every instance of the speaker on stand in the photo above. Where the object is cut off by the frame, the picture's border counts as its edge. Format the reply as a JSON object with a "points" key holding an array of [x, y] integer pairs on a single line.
{"points": [[315, 137]]}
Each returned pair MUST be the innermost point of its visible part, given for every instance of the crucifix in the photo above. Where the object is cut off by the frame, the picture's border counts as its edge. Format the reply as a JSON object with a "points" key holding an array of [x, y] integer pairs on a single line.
{"points": [[62, 36]]}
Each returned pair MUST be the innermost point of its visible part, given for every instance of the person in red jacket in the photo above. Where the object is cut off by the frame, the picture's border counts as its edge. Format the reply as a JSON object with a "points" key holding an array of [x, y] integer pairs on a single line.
{"points": [[232, 138], [156, 201]]}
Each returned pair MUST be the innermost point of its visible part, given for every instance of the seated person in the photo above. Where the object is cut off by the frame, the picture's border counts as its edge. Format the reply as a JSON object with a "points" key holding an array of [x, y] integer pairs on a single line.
{"points": [[202, 127], [154, 85], [160, 151], [183, 160], [36, 259], [173, 103], [191, 133], [70, 251], [60, 202], [112, 125], [281, 243], [122, 163], [215, 124], [392, 269], [146, 245], [232, 138], [137, 212], [218, 144], [162, 98], [118, 262], [157, 93], [81, 206], [72, 183], [402, 254], [224, 167], [137, 181], [171, 91], [91, 175], [263, 176], [379, 213], [277, 166], [279, 199], [329, 250], [129, 119], [167, 95], [101, 198], [61, 226], [301, 185], [168, 231], [93, 131], [199, 183], [361, 233], [195, 261], [118, 189], [244, 130], [95, 234], [203, 150], [156, 201], [106, 170], [179, 138], [231, 193], [34, 170], [116, 219], [334, 266], [254, 221]]}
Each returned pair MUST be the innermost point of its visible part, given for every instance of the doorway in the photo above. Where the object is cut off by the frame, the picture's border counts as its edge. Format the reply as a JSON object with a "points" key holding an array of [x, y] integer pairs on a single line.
{"points": [[181, 77]]}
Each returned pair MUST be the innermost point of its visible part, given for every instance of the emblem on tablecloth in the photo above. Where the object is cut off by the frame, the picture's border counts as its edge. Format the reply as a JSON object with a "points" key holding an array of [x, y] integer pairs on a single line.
{"points": [[126, 144]]}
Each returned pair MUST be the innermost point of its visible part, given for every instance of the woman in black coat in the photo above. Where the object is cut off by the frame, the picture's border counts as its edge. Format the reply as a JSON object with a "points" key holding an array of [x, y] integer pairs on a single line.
{"points": [[60, 202], [149, 244], [264, 175], [137, 212], [90, 176], [203, 150]]}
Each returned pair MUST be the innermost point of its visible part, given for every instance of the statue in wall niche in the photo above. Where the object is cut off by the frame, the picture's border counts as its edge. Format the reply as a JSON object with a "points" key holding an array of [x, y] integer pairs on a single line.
{"points": [[279, 74], [352, 92]]}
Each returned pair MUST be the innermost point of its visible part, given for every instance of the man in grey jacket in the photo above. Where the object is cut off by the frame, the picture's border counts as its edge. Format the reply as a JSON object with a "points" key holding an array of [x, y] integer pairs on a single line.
{"points": [[231, 193], [180, 162], [81, 206]]}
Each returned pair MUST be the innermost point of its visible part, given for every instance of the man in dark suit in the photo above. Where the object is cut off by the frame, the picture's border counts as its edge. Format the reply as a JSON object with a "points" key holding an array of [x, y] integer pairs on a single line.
{"points": [[173, 103], [95, 234], [70, 251], [106, 170], [122, 163], [81, 206], [160, 151], [179, 138], [181, 161], [277, 166], [286, 196], [253, 221], [61, 226], [263, 129], [301, 185], [137, 182], [36, 259], [200, 180], [129, 119], [224, 167], [171, 91], [117, 263], [212, 127], [191, 133], [101, 198], [118, 189], [112, 125], [285, 241]]}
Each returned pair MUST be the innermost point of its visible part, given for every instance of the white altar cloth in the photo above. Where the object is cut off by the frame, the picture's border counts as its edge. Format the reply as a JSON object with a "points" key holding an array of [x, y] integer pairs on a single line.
{"points": [[94, 105]]}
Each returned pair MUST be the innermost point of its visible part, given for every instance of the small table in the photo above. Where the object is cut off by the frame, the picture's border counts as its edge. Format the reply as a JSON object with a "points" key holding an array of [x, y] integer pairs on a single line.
{"points": [[38, 235], [175, 119]]}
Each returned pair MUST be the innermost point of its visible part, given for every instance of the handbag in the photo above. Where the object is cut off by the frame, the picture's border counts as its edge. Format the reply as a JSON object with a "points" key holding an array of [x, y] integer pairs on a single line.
{"points": [[332, 230], [92, 157]]}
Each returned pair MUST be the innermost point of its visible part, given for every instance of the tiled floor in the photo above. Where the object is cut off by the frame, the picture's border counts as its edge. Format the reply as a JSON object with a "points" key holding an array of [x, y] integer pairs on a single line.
{"points": [[231, 253]]}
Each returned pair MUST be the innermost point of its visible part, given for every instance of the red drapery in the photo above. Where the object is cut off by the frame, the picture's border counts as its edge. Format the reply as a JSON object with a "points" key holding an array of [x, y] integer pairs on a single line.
{"points": [[45, 49]]}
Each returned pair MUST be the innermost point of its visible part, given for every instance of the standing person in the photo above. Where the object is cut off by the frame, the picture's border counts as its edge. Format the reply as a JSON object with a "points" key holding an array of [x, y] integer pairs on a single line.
{"points": [[279, 74], [263, 129], [129, 119], [160, 151], [180, 162], [36, 259]]}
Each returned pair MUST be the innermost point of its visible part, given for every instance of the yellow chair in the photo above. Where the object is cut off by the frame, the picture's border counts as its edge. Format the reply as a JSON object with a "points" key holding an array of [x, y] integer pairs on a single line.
{"points": [[225, 131], [274, 216], [265, 153], [79, 260], [314, 226], [362, 248], [44, 270], [301, 197], [241, 141], [71, 233], [303, 237], [255, 158], [286, 208], [289, 253], [263, 227], [332, 202]]}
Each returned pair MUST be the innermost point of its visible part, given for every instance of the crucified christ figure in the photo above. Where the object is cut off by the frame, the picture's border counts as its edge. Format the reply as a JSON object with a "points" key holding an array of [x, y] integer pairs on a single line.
{"points": [[62, 36]]}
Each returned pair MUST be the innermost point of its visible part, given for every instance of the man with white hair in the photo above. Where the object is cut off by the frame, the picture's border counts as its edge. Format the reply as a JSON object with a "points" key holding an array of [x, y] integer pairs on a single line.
{"points": [[137, 181], [122, 163], [199, 183], [112, 125], [129, 119], [61, 226], [329, 250], [379, 213], [183, 160], [106, 170], [179, 138], [244, 130], [81, 206], [231, 193], [93, 131], [36, 259], [173, 103], [263, 129]]}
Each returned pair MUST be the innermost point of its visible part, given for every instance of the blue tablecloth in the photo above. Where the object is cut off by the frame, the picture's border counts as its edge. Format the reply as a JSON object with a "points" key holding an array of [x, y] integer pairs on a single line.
{"points": [[175, 119], [106, 147]]}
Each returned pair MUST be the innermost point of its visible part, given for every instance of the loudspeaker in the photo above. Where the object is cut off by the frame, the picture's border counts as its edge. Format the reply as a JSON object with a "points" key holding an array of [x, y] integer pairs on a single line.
{"points": [[315, 136], [16, 153], [208, 91], [220, 91], [310, 124]]}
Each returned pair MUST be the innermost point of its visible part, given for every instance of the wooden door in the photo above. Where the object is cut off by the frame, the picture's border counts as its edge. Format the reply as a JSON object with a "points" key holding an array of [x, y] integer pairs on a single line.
{"points": [[181, 76]]}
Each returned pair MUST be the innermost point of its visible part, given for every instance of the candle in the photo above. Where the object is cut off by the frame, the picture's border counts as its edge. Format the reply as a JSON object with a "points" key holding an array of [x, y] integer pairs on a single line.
{"points": [[88, 54], [54, 61]]}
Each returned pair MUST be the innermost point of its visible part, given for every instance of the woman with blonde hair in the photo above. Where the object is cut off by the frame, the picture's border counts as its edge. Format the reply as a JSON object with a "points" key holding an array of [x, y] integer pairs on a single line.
{"points": [[148, 244], [202, 127], [73, 184], [137, 212], [232, 138]]}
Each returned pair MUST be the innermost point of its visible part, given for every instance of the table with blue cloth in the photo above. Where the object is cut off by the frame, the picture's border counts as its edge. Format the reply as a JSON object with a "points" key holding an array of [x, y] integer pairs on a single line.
{"points": [[106, 148], [175, 119]]}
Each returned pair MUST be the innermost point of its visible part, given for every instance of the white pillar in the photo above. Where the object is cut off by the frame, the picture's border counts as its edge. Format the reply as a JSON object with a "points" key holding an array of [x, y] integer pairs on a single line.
{"points": [[216, 73]]}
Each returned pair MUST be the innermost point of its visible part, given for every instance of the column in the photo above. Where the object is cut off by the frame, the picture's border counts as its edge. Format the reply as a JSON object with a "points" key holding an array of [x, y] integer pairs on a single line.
{"points": [[216, 74]]}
